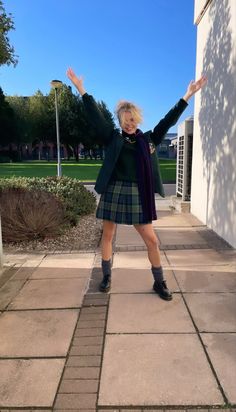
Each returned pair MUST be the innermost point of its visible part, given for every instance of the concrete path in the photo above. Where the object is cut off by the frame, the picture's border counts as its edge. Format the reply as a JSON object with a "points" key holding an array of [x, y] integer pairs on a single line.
{"points": [[65, 346]]}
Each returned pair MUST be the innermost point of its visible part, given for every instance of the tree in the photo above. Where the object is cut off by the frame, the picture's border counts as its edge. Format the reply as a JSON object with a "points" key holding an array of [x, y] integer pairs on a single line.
{"points": [[109, 119], [7, 52], [40, 118], [7, 121], [75, 128], [106, 113], [34, 120], [67, 106], [20, 107]]}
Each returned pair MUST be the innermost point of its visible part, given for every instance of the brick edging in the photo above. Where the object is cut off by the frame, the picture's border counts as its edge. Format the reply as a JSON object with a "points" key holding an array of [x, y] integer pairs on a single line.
{"points": [[79, 385]]}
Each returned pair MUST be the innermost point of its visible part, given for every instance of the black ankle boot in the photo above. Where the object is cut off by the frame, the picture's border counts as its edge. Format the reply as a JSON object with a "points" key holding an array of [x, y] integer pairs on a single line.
{"points": [[105, 284], [162, 290]]}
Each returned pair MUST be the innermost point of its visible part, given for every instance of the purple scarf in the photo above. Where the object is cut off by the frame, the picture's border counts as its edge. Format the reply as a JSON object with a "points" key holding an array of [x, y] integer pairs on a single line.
{"points": [[145, 176]]}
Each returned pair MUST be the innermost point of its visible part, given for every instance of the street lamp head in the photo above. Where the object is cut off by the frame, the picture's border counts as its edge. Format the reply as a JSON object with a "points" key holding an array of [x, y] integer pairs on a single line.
{"points": [[56, 84]]}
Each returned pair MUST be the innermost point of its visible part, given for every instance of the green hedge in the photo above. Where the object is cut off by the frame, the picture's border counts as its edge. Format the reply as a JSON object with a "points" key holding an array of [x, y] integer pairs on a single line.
{"points": [[76, 198]]}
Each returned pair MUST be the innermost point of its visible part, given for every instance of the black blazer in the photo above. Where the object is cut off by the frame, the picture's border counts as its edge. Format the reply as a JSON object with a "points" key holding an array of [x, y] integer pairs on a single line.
{"points": [[113, 140]]}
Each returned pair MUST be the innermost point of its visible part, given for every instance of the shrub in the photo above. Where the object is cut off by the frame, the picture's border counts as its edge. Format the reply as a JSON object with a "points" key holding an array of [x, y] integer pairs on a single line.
{"points": [[75, 197], [28, 215]]}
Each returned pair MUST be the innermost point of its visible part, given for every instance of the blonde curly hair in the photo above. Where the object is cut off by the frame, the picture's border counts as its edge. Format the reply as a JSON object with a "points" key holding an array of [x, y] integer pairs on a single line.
{"points": [[125, 106]]}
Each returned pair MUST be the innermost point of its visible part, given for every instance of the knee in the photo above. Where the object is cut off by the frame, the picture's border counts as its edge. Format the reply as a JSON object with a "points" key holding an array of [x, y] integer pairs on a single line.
{"points": [[107, 235], [152, 242]]}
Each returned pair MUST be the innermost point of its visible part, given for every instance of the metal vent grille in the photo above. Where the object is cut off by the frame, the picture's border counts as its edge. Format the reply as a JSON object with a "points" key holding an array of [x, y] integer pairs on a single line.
{"points": [[184, 160]]}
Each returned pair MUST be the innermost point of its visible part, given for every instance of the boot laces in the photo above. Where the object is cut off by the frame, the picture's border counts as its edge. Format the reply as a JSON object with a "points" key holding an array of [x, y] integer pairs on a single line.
{"points": [[164, 284]]}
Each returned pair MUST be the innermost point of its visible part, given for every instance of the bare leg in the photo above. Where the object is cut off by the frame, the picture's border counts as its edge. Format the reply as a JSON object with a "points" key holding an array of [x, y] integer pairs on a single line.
{"points": [[107, 236], [152, 243]]}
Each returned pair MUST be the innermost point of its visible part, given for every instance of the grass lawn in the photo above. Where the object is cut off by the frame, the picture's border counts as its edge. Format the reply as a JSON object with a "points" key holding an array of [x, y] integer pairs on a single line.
{"points": [[84, 170]]}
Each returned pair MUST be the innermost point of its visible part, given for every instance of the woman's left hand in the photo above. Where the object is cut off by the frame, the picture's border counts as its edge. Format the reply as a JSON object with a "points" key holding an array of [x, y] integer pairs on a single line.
{"points": [[194, 86]]}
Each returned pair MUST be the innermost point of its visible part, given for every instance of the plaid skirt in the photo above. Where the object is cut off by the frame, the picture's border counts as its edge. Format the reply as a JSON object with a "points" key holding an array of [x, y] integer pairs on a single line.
{"points": [[121, 203]]}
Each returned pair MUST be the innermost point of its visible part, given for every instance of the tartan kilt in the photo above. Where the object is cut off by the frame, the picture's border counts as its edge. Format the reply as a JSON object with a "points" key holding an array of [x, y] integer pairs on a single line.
{"points": [[121, 203]]}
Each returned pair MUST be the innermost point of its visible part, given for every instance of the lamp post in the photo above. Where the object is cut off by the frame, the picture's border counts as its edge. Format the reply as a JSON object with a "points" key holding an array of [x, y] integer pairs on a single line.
{"points": [[56, 84]]}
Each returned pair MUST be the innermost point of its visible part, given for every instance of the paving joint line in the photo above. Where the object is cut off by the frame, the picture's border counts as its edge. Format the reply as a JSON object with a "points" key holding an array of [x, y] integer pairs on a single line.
{"points": [[163, 408], [30, 358], [181, 408], [42, 309]]}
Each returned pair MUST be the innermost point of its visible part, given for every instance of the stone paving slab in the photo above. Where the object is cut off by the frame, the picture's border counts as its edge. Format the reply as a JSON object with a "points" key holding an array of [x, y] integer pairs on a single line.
{"points": [[163, 204], [194, 221], [9, 291], [79, 260], [127, 235], [60, 273], [138, 281], [29, 383], [135, 259], [229, 255], [50, 293], [6, 274], [156, 370], [183, 236], [221, 348], [213, 312], [143, 313], [196, 257], [36, 333], [23, 273], [19, 259], [72, 400], [33, 261], [204, 268], [79, 386], [206, 280], [171, 219]]}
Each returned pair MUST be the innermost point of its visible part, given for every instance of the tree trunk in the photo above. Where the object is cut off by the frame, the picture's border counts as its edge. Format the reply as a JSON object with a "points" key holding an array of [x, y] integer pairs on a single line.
{"points": [[76, 154], [19, 151], [68, 149]]}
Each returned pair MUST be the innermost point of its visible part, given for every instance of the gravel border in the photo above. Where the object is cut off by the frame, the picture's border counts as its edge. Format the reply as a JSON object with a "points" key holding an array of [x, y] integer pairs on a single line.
{"points": [[86, 235]]}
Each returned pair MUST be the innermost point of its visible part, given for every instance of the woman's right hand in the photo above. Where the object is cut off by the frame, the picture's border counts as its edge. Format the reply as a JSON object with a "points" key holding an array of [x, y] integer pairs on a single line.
{"points": [[77, 81]]}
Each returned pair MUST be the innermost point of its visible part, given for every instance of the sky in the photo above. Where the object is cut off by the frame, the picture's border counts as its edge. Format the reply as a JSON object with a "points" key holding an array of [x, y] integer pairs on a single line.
{"points": [[143, 51]]}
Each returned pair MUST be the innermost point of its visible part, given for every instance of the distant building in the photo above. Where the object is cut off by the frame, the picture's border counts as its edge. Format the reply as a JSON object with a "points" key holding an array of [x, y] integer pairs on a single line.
{"points": [[168, 149], [30, 151]]}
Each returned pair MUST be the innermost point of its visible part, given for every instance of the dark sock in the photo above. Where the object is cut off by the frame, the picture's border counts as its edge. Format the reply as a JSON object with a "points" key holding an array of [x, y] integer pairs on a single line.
{"points": [[106, 267], [157, 274]]}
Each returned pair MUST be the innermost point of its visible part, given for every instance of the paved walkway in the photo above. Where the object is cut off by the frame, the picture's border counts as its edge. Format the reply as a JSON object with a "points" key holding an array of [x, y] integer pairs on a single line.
{"points": [[65, 346]]}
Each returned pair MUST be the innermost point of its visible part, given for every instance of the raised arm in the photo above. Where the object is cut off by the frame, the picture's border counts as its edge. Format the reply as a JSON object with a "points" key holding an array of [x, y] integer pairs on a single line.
{"points": [[95, 116], [193, 87], [78, 82], [174, 114]]}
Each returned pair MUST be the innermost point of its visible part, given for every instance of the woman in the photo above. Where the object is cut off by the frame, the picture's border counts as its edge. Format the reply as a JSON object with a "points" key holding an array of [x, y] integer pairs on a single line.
{"points": [[130, 176]]}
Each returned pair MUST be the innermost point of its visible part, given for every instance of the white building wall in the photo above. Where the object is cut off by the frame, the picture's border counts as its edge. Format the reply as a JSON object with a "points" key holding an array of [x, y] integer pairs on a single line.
{"points": [[213, 195]]}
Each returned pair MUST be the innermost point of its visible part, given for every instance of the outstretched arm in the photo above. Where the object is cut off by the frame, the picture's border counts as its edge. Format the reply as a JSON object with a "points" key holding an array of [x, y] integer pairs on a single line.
{"points": [[95, 116], [193, 87], [174, 114], [77, 81]]}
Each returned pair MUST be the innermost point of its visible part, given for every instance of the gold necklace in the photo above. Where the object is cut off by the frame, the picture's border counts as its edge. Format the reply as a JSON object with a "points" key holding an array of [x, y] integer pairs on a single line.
{"points": [[129, 140]]}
